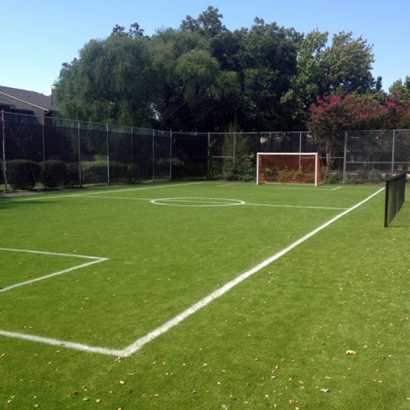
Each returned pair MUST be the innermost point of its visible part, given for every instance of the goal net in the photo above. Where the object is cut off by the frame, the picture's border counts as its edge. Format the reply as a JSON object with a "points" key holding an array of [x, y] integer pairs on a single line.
{"points": [[286, 168]]}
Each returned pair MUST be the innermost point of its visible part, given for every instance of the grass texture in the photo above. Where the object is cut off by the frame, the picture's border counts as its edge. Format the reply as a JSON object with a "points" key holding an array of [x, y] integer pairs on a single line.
{"points": [[324, 326]]}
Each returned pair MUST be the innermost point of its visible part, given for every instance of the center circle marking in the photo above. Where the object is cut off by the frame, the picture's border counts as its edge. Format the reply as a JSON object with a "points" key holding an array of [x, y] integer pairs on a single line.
{"points": [[197, 201]]}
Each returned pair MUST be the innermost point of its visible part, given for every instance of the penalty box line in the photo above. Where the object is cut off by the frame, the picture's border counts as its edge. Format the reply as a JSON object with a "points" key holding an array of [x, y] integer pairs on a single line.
{"points": [[141, 342], [93, 261]]}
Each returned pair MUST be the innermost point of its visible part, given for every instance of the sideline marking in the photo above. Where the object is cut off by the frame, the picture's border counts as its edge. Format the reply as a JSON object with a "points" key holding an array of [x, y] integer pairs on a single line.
{"points": [[94, 192], [94, 260], [139, 343], [298, 206]]}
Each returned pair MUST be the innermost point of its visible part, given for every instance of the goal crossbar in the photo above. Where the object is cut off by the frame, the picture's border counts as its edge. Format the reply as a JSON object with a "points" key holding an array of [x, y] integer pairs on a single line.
{"points": [[288, 167]]}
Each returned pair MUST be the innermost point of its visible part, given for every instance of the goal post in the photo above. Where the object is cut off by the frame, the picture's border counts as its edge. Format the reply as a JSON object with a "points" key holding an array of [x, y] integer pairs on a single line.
{"points": [[288, 167]]}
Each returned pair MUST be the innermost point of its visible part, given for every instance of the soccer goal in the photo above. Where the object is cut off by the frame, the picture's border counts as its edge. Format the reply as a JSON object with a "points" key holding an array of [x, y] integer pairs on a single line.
{"points": [[289, 167]]}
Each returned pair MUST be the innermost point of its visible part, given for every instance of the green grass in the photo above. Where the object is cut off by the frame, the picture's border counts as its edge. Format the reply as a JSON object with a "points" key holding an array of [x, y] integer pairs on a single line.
{"points": [[273, 341]]}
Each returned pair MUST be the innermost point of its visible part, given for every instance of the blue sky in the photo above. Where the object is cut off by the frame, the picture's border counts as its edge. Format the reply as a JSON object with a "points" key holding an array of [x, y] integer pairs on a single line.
{"points": [[38, 37]]}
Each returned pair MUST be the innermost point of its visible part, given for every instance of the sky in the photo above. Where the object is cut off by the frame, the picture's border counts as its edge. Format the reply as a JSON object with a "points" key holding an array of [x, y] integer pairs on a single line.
{"points": [[36, 38]]}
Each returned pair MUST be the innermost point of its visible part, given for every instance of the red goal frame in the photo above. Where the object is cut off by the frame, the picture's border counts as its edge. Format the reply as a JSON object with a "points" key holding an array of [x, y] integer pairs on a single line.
{"points": [[288, 167]]}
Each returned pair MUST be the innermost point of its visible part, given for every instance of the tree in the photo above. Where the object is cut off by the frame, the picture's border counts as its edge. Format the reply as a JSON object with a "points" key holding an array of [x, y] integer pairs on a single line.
{"points": [[332, 115], [193, 86], [204, 77], [267, 59], [349, 65], [110, 82], [341, 68], [400, 90], [208, 23], [309, 80]]}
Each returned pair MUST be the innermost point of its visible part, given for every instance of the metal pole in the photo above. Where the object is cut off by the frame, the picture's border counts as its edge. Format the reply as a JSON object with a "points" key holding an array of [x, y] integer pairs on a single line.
{"points": [[132, 154], [80, 173], [393, 152], [208, 162], [108, 155], [345, 159], [153, 155], [234, 148], [44, 141], [170, 155], [4, 151]]}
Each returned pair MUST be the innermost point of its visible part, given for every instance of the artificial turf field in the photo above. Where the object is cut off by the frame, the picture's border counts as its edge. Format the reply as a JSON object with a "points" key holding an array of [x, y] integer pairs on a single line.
{"points": [[204, 295]]}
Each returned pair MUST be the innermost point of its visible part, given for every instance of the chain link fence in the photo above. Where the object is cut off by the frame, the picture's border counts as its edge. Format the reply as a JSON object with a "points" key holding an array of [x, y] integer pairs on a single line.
{"points": [[52, 152]]}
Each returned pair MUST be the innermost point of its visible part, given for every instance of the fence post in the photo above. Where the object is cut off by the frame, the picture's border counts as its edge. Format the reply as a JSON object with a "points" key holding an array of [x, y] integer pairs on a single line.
{"points": [[108, 155], [3, 126], [153, 155], [209, 157], [132, 154], [170, 155], [43, 128], [345, 158], [234, 148], [80, 172], [393, 152]]}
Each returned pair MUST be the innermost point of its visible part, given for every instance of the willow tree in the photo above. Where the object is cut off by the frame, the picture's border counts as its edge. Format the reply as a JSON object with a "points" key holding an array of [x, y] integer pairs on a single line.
{"points": [[193, 86], [111, 81]]}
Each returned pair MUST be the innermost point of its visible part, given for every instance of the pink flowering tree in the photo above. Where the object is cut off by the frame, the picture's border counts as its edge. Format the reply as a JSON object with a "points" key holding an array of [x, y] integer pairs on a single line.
{"points": [[332, 115]]}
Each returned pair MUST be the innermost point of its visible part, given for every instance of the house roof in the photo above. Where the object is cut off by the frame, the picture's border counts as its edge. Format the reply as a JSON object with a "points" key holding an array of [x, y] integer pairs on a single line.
{"points": [[15, 99]]}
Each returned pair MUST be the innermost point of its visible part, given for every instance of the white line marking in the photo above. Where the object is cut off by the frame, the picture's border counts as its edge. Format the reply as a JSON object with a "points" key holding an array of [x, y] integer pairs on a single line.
{"points": [[197, 201], [119, 197], [62, 343], [334, 189], [72, 255], [139, 343], [227, 184], [94, 260], [103, 191], [298, 206]]}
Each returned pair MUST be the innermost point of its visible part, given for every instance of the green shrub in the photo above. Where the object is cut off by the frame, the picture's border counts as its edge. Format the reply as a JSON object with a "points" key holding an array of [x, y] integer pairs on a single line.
{"points": [[95, 172], [332, 177], [374, 176], [230, 171], [118, 171], [23, 173], [72, 174], [53, 173]]}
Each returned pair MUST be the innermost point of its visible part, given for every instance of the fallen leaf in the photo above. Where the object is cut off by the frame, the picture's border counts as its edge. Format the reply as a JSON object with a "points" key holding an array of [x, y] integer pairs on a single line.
{"points": [[350, 352]]}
